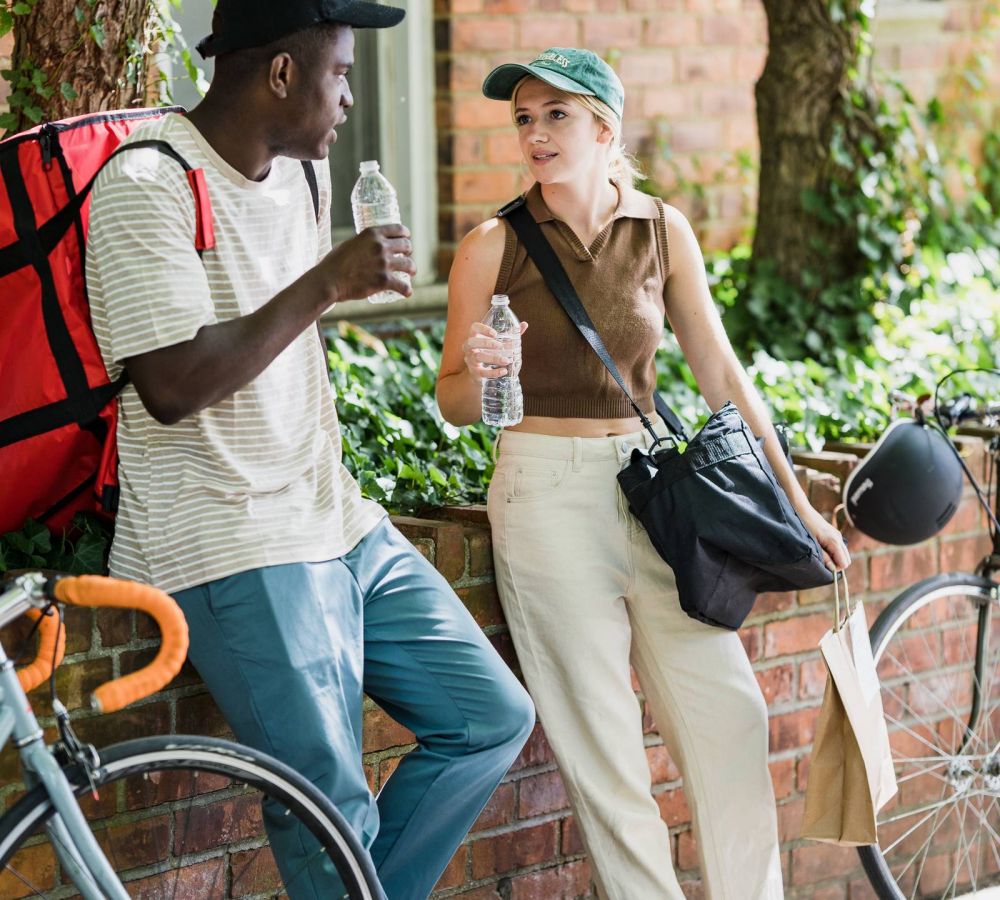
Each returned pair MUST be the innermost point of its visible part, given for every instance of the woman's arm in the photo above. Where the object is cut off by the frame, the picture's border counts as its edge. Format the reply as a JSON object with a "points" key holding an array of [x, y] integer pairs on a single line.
{"points": [[468, 344], [696, 323]]}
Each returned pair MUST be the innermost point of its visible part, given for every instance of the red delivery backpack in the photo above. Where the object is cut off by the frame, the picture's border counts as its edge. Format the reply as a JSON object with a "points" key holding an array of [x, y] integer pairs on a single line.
{"points": [[58, 411]]}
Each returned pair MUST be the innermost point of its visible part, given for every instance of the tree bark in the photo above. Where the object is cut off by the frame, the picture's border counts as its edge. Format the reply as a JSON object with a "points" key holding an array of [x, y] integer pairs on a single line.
{"points": [[800, 98], [52, 39]]}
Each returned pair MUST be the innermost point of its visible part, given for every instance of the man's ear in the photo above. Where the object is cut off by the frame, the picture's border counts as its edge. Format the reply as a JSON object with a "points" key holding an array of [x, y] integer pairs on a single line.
{"points": [[279, 75]]}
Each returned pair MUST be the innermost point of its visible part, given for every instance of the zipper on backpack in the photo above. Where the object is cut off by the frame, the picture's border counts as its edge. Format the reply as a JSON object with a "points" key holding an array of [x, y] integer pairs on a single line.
{"points": [[45, 140]]}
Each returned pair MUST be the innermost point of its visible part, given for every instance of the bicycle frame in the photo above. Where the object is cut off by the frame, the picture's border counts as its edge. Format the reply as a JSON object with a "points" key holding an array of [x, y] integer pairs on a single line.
{"points": [[987, 568], [71, 837]]}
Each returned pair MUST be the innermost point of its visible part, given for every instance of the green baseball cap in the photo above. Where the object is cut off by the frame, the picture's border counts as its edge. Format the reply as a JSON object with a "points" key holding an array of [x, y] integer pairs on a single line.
{"points": [[566, 68]]}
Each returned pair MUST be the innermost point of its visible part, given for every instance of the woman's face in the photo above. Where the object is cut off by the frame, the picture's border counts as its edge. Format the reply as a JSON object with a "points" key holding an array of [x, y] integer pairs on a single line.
{"points": [[560, 140]]}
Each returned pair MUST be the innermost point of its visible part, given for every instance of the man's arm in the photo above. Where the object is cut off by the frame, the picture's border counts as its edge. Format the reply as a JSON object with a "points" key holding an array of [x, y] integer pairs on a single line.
{"points": [[177, 381]]}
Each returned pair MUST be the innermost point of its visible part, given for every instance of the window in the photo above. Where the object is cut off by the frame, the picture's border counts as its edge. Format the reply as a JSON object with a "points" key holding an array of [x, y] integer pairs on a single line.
{"points": [[392, 121]]}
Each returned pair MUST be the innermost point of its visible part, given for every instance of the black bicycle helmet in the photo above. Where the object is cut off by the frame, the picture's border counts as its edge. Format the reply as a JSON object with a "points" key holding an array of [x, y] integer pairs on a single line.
{"points": [[907, 486]]}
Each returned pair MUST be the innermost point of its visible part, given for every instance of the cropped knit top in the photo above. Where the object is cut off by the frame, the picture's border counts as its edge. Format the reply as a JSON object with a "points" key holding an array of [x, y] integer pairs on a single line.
{"points": [[620, 279]]}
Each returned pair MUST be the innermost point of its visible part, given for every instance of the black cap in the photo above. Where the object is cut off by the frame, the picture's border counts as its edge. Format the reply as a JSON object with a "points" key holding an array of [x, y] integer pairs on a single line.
{"points": [[241, 24]]}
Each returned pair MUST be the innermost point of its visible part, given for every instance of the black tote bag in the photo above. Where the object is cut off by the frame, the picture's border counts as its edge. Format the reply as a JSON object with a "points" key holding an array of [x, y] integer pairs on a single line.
{"points": [[715, 513]]}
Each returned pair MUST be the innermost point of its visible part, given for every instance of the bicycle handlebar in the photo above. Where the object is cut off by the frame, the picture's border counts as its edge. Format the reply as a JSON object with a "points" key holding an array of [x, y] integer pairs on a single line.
{"points": [[95, 590], [51, 648]]}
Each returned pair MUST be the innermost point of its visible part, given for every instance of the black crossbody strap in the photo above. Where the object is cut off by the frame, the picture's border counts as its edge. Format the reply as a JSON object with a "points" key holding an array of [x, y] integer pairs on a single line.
{"points": [[547, 263]]}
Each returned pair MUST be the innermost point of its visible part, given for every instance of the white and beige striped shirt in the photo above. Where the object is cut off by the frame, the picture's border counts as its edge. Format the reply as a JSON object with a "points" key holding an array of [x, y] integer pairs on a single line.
{"points": [[256, 479]]}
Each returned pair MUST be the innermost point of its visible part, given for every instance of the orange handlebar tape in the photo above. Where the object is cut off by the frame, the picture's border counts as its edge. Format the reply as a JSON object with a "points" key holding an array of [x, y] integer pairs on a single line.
{"points": [[49, 633], [94, 590]]}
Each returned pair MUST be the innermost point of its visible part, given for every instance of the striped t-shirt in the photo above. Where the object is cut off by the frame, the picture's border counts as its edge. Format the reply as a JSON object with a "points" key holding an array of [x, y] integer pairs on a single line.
{"points": [[256, 479]]}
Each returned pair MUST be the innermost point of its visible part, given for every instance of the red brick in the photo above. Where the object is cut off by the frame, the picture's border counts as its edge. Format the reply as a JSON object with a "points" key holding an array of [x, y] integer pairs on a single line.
{"points": [[536, 752], [115, 626], [649, 68], [537, 34], [197, 880], [796, 634], [481, 600], [899, 568], [812, 679], [775, 601], [485, 187], [199, 714], [36, 865], [482, 33], [514, 7], [255, 872], [512, 850], [790, 820], [572, 842], [964, 554], [687, 851], [792, 730], [480, 552], [662, 768], [776, 683], [968, 517], [540, 794], [477, 112], [703, 64], [454, 874], [716, 30], [671, 31], [817, 862], [567, 881], [380, 731], [499, 810], [669, 101], [674, 809], [783, 777], [700, 134], [74, 684], [620, 32], [753, 641]]}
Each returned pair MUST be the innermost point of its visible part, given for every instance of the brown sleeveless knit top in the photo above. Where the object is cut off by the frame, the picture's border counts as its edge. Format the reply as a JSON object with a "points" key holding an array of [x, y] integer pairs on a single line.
{"points": [[620, 280]]}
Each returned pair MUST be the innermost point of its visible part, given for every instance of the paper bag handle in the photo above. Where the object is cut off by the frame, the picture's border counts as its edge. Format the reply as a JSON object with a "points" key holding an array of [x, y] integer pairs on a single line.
{"points": [[836, 598]]}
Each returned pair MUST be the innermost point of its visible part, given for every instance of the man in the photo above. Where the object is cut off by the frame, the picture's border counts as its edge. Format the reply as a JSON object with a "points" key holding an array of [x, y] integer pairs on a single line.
{"points": [[299, 593]]}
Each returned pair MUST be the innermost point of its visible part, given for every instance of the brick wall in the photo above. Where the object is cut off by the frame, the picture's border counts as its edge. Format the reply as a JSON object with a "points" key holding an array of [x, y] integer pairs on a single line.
{"points": [[689, 68], [525, 845]]}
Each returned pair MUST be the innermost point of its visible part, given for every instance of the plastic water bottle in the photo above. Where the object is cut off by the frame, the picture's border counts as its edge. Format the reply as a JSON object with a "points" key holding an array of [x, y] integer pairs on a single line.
{"points": [[503, 403], [374, 203]]}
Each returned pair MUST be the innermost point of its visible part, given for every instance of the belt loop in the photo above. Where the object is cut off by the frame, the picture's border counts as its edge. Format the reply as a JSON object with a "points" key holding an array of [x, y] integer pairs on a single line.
{"points": [[496, 446], [577, 454]]}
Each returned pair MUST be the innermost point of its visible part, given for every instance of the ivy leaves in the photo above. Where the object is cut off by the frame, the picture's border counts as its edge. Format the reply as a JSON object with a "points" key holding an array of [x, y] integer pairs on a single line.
{"points": [[81, 551]]}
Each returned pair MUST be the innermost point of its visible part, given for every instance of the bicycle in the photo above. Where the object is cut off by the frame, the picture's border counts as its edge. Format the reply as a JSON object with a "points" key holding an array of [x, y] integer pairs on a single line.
{"points": [[937, 655], [159, 816]]}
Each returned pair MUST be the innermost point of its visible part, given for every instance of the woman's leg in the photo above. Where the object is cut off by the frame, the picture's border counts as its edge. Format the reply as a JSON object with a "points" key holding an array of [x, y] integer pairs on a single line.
{"points": [[712, 716], [561, 561]]}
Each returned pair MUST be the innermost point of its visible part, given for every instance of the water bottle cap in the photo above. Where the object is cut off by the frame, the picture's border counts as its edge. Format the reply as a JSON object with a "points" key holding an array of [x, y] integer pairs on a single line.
{"points": [[369, 166], [500, 300]]}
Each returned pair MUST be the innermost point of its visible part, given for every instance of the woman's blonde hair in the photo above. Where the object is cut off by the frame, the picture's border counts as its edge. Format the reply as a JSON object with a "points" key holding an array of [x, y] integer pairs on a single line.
{"points": [[622, 166]]}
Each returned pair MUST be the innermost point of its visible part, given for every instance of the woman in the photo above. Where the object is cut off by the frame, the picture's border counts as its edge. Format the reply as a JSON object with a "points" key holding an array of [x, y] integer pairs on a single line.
{"points": [[583, 590]]}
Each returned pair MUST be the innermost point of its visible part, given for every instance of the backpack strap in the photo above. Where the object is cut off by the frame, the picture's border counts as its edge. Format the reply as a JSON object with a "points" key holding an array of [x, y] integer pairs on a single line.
{"points": [[310, 173]]}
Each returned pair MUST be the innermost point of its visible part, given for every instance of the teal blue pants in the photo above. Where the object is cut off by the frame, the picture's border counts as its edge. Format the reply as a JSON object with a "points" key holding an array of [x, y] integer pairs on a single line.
{"points": [[287, 652]]}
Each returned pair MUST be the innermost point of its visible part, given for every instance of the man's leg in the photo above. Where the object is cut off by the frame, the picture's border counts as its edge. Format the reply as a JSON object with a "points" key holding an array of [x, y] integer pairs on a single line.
{"points": [[280, 650], [431, 668]]}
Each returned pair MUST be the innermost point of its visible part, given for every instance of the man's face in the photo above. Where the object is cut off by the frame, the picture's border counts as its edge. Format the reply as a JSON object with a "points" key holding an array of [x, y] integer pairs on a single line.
{"points": [[323, 96]]}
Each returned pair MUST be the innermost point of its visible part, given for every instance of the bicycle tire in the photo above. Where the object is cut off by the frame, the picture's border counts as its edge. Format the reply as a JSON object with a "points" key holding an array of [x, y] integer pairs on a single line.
{"points": [[897, 625], [191, 756]]}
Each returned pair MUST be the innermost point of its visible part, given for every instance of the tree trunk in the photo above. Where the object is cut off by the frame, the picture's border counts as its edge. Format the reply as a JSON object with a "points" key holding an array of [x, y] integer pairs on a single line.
{"points": [[800, 98], [106, 71]]}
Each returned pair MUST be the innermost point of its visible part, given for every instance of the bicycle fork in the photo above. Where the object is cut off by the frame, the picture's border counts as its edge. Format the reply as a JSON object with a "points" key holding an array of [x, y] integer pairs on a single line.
{"points": [[69, 832]]}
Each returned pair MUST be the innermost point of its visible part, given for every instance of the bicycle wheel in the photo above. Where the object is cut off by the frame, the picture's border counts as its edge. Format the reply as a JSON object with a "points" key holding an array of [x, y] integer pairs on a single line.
{"points": [[184, 817], [937, 660]]}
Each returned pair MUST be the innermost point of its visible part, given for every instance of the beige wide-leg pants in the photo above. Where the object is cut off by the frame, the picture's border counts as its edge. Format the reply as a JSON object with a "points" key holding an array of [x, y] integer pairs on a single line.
{"points": [[585, 595]]}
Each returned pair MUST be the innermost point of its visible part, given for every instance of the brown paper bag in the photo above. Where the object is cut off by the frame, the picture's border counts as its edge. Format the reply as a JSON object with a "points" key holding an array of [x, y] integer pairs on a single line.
{"points": [[838, 800], [851, 773]]}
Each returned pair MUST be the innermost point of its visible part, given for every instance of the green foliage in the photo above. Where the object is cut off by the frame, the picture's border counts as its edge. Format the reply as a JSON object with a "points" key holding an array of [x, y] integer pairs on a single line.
{"points": [[81, 550], [403, 454]]}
